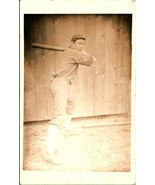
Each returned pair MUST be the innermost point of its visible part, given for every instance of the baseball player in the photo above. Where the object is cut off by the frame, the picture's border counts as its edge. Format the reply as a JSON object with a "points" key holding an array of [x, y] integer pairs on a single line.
{"points": [[62, 91]]}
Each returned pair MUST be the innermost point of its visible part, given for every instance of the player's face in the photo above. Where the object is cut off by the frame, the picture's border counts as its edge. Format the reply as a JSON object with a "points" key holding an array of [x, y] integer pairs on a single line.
{"points": [[79, 44]]}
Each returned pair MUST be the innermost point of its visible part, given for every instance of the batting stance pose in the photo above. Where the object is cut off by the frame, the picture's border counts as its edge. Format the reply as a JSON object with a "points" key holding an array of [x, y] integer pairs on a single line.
{"points": [[61, 88]]}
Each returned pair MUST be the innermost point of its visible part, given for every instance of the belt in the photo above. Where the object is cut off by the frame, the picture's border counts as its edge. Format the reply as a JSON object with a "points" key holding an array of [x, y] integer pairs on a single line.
{"points": [[58, 75]]}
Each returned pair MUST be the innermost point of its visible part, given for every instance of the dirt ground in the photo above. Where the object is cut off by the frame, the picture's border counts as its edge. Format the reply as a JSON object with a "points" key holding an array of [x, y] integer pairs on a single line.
{"points": [[103, 145]]}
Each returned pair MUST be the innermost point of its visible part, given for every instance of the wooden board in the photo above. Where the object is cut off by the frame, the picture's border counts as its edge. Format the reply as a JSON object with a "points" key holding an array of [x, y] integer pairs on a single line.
{"points": [[104, 88]]}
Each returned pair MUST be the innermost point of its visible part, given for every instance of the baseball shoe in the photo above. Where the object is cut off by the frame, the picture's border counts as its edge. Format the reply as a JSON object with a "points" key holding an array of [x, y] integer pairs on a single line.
{"points": [[53, 158]]}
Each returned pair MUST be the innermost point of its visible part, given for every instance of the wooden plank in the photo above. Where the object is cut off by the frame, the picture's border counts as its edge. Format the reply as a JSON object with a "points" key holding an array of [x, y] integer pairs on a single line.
{"points": [[100, 64], [118, 97], [29, 93], [89, 75], [49, 29], [109, 66], [40, 88], [80, 103], [50, 62], [30, 106], [118, 86], [80, 26], [102, 124], [123, 62], [37, 21], [39, 74]]}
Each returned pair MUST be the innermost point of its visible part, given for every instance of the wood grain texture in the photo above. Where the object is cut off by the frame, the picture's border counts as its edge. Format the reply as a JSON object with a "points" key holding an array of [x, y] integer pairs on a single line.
{"points": [[104, 88]]}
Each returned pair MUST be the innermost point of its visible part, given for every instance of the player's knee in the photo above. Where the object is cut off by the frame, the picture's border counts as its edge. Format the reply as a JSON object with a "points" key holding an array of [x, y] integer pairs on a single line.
{"points": [[70, 107]]}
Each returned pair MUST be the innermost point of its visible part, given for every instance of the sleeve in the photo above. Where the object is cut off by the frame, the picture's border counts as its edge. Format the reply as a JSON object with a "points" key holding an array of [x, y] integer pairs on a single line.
{"points": [[86, 59]]}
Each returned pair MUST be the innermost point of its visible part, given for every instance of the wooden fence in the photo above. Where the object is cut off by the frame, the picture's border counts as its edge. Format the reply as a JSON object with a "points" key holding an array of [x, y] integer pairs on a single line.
{"points": [[104, 88]]}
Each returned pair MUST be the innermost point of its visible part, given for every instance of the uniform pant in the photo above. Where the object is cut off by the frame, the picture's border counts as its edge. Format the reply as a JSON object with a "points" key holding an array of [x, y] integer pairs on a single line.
{"points": [[63, 100]]}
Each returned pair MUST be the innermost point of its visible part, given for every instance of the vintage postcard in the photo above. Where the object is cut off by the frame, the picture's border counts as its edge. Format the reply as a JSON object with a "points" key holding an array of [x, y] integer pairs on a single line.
{"points": [[77, 92]]}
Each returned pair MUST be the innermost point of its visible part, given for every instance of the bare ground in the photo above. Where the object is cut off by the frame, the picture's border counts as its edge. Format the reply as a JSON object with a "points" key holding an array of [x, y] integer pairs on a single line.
{"points": [[103, 145]]}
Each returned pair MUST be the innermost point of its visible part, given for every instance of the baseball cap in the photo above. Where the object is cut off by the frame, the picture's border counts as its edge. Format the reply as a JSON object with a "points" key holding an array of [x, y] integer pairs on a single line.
{"points": [[77, 36]]}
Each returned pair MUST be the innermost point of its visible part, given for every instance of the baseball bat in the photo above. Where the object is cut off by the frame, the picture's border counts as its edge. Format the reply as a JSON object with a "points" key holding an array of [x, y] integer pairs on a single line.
{"points": [[47, 47]]}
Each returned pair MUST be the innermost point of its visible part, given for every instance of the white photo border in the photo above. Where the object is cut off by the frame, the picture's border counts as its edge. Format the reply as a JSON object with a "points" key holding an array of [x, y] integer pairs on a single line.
{"points": [[79, 7]]}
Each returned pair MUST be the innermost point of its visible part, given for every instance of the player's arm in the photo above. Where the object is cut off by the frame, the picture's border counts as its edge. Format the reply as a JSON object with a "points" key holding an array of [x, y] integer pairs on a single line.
{"points": [[86, 59]]}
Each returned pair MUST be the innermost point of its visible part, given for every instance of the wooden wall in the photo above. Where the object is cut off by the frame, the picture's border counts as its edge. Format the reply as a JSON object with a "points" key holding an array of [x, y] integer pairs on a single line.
{"points": [[103, 88]]}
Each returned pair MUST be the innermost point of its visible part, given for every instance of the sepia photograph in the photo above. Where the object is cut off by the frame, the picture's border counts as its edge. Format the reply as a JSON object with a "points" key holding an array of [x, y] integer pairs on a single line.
{"points": [[78, 87]]}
